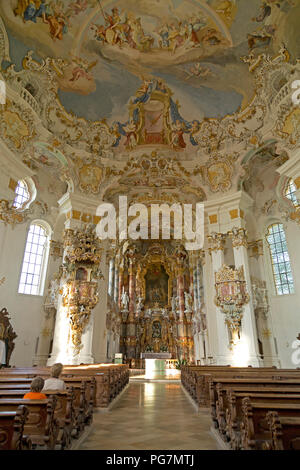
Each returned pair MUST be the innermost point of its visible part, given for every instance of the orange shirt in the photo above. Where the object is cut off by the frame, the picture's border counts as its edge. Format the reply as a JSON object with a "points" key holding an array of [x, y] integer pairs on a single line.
{"points": [[35, 396]]}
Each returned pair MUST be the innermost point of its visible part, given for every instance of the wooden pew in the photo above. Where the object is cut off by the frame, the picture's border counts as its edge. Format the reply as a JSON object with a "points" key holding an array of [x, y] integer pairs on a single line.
{"points": [[82, 389], [203, 385], [41, 426], [250, 382], [64, 411], [285, 432], [255, 430], [220, 394], [110, 378], [81, 407], [12, 429], [191, 374], [196, 378], [231, 425]]}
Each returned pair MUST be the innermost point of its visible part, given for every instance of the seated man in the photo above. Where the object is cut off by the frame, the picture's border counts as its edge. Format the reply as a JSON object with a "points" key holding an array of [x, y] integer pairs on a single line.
{"points": [[54, 383], [35, 390]]}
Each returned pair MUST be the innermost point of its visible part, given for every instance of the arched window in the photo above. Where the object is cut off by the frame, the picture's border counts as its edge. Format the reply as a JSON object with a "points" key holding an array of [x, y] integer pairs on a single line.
{"points": [[35, 259], [25, 194], [21, 195], [290, 193], [282, 272]]}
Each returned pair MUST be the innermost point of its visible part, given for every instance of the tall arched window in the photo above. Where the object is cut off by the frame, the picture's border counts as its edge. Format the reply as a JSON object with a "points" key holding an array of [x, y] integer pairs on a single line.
{"points": [[282, 272], [290, 193], [35, 259]]}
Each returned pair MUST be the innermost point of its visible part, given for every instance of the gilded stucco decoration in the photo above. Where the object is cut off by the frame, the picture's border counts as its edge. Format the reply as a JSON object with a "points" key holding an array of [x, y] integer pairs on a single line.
{"points": [[80, 274], [71, 114], [12, 216]]}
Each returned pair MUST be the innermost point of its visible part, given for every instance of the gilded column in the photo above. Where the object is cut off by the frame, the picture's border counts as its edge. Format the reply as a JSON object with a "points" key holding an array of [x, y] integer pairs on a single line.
{"points": [[120, 284], [111, 277], [180, 320], [116, 282], [131, 323]]}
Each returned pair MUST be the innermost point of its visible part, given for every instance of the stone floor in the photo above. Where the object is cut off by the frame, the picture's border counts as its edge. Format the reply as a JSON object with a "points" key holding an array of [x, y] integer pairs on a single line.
{"points": [[151, 415]]}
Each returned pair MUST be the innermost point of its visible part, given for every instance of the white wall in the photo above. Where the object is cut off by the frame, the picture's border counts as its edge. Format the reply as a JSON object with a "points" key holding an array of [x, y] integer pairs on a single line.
{"points": [[25, 310], [285, 309]]}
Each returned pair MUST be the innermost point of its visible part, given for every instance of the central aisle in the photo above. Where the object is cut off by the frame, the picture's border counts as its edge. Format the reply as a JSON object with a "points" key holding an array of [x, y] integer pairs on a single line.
{"points": [[151, 415]]}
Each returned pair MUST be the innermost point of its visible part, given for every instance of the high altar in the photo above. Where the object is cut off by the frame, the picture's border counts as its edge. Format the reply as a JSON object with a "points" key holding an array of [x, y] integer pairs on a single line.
{"points": [[155, 301]]}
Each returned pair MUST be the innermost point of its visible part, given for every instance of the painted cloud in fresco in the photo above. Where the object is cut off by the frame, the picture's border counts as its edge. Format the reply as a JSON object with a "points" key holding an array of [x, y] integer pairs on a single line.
{"points": [[193, 46]]}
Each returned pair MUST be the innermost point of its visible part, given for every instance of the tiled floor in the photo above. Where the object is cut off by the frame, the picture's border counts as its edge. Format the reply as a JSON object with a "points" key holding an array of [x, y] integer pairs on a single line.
{"points": [[151, 415]]}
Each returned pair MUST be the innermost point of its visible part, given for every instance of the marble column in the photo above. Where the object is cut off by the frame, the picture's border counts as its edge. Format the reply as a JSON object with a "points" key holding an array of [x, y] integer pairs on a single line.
{"points": [[111, 277], [116, 284], [180, 320], [120, 283], [131, 324], [199, 279]]}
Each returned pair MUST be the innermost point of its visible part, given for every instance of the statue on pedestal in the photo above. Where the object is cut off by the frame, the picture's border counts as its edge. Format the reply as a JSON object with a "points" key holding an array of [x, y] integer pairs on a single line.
{"points": [[140, 304], [188, 302], [124, 301]]}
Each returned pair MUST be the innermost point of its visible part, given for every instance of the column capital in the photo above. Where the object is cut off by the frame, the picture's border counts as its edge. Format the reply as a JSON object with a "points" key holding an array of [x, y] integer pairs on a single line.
{"points": [[216, 241], [256, 249], [239, 237]]}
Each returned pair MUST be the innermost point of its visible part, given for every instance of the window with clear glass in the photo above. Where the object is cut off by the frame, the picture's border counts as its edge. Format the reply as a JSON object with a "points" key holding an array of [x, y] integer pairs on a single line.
{"points": [[35, 257], [21, 195], [290, 193], [281, 265]]}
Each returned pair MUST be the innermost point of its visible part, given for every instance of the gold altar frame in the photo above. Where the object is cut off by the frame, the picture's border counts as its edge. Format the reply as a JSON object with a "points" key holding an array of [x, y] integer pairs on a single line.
{"points": [[154, 260]]}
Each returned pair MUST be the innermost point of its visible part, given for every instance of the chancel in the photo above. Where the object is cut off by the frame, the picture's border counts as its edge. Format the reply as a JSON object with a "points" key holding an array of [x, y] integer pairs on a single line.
{"points": [[149, 224]]}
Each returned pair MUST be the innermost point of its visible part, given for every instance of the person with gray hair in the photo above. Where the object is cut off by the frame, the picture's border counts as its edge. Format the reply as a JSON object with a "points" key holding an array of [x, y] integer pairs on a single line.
{"points": [[36, 387], [54, 383]]}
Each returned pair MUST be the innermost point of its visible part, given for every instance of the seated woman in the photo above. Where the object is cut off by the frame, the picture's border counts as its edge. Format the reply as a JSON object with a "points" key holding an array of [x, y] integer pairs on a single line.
{"points": [[54, 383], [35, 390]]}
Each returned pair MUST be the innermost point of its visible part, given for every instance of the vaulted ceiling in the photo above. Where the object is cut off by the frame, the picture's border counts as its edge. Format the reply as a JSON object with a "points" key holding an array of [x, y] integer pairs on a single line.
{"points": [[150, 96]]}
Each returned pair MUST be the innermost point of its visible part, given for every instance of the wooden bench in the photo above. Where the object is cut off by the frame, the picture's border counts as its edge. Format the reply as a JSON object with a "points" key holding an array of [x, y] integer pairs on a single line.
{"points": [[285, 432], [12, 429], [110, 378], [255, 430], [82, 390], [41, 425], [220, 393], [230, 425]]}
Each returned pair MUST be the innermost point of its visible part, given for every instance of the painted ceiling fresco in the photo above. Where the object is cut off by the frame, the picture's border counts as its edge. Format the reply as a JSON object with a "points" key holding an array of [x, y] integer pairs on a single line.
{"points": [[191, 47], [194, 80]]}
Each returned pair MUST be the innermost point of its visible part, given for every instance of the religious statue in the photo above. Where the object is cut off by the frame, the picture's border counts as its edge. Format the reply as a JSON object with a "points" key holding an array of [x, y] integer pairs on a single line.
{"points": [[156, 330], [7, 336], [124, 300], [53, 289], [188, 301], [140, 304], [173, 303], [165, 313]]}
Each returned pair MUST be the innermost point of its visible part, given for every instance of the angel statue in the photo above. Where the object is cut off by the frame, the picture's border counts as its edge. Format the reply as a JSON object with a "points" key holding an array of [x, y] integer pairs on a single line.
{"points": [[188, 301], [124, 300], [140, 304]]}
